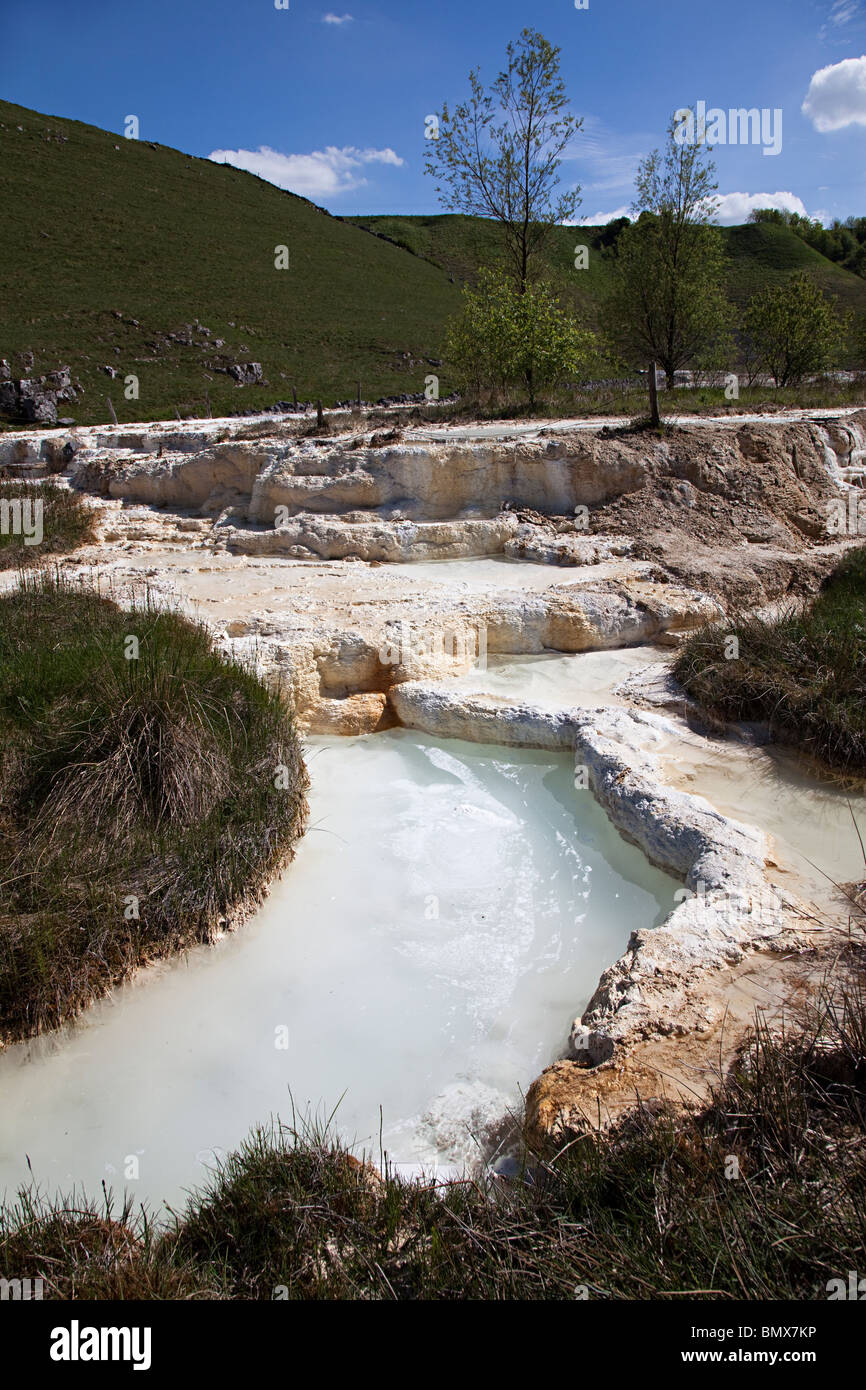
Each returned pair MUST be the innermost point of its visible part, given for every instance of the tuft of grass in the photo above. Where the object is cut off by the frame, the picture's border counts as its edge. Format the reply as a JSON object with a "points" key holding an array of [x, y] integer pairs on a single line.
{"points": [[803, 673], [67, 522], [760, 1195], [145, 800]]}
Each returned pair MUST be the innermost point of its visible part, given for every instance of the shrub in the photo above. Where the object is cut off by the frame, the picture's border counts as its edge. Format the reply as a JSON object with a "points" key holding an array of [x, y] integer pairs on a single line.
{"points": [[506, 339], [794, 329]]}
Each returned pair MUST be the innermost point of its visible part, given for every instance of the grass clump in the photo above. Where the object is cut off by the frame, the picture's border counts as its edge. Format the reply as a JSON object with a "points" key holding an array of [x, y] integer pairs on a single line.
{"points": [[760, 1195], [144, 800], [803, 672], [38, 519]]}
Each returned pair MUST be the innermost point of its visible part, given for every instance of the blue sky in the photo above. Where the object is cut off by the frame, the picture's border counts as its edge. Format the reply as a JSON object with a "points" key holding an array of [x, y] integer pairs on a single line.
{"points": [[331, 103]]}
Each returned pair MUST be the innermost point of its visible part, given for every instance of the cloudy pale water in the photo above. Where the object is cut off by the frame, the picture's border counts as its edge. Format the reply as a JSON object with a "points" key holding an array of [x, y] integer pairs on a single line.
{"points": [[448, 913], [588, 678]]}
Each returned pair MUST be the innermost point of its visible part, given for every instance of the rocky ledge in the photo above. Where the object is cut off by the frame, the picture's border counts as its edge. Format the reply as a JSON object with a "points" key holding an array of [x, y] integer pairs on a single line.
{"points": [[662, 984], [740, 508], [659, 534]]}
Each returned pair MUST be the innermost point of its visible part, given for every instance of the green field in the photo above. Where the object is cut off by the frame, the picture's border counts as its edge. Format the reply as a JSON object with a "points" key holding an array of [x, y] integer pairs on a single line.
{"points": [[111, 245]]}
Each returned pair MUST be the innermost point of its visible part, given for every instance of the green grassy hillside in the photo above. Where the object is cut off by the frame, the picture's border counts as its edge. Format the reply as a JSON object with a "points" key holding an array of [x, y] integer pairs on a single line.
{"points": [[764, 254], [93, 226], [759, 255], [461, 244], [117, 253]]}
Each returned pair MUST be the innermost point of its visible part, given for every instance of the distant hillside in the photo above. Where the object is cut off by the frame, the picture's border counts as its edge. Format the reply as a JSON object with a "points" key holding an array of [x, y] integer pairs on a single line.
{"points": [[93, 225], [759, 255], [118, 254]]}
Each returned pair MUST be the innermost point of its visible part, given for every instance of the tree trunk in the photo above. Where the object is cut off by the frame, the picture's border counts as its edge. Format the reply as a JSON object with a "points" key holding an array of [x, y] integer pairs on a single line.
{"points": [[655, 418], [524, 264]]}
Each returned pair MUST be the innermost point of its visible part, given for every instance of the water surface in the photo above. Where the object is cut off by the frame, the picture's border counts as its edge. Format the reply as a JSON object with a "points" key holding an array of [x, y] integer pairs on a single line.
{"points": [[448, 913]]}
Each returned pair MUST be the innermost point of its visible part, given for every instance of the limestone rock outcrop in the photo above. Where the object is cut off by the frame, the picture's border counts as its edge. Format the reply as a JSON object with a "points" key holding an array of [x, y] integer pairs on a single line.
{"points": [[35, 400], [726, 907]]}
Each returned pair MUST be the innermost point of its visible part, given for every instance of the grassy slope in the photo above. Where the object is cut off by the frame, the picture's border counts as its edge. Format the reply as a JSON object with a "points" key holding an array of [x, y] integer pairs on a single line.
{"points": [[803, 673], [100, 223], [461, 244], [151, 777], [66, 523], [92, 223], [759, 255]]}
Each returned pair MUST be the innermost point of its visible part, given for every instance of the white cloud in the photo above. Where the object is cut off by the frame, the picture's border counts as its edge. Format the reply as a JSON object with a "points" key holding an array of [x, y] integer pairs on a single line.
{"points": [[843, 11], [837, 95], [331, 18], [601, 219], [734, 208], [843, 17], [320, 174]]}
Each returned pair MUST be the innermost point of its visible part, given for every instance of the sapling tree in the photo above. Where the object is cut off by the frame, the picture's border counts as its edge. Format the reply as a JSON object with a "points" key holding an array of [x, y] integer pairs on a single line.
{"points": [[498, 154], [667, 301], [795, 329], [505, 339]]}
